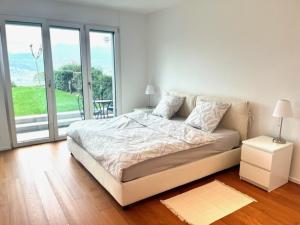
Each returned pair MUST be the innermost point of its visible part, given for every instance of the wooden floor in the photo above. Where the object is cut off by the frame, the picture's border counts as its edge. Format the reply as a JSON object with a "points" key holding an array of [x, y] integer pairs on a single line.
{"points": [[45, 185]]}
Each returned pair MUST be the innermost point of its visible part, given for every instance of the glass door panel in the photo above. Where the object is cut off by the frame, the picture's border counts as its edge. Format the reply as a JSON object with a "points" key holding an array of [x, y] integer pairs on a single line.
{"points": [[26, 65], [67, 72], [102, 62]]}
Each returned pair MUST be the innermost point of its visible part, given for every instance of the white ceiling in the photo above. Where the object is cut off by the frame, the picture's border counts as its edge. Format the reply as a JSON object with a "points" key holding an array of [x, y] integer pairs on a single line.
{"points": [[141, 6]]}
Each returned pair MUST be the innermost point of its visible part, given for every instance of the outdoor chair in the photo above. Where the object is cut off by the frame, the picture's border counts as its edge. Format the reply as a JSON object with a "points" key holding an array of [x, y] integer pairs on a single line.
{"points": [[97, 113], [110, 108]]}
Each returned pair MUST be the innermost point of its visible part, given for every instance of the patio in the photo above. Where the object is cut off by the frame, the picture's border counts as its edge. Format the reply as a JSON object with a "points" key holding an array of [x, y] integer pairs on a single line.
{"points": [[36, 126]]}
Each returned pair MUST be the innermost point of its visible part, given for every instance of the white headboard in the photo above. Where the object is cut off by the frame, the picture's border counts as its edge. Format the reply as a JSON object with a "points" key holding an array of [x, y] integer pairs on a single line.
{"points": [[236, 118]]}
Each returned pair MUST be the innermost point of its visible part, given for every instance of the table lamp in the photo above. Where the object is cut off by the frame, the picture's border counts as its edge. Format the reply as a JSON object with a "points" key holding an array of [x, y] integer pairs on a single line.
{"points": [[150, 90], [282, 110]]}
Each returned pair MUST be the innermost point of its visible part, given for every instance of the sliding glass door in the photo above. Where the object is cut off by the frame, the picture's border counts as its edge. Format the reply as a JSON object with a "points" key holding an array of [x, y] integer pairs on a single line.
{"points": [[102, 73], [67, 72], [56, 73], [27, 80]]}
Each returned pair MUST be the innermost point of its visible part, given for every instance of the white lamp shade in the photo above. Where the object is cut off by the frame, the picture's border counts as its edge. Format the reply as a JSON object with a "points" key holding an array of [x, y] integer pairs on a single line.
{"points": [[283, 109], [150, 90]]}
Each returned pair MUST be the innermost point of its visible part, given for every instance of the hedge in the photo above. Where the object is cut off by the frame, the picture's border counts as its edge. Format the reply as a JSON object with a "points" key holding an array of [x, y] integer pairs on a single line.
{"points": [[68, 78]]}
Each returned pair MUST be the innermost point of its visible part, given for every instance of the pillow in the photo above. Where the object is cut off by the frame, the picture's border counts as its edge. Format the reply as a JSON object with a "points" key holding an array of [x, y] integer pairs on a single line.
{"points": [[188, 103], [207, 115], [168, 106]]}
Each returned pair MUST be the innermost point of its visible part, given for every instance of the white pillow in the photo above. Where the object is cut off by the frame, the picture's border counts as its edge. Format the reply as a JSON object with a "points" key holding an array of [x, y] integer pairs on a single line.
{"points": [[168, 106], [207, 115]]}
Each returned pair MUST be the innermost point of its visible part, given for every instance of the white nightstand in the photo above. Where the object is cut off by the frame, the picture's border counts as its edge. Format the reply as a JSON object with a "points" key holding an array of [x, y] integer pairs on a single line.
{"points": [[264, 163], [145, 110]]}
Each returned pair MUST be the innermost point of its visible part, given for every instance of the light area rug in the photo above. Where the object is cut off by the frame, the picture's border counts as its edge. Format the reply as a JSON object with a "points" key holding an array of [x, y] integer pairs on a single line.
{"points": [[207, 204]]}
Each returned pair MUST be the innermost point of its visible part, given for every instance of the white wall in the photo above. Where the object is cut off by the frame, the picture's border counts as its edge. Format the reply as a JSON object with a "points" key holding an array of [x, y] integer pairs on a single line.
{"points": [[247, 49], [133, 61], [132, 40]]}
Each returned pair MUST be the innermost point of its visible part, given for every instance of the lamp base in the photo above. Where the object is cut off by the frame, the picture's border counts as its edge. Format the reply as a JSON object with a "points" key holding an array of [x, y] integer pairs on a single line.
{"points": [[279, 140]]}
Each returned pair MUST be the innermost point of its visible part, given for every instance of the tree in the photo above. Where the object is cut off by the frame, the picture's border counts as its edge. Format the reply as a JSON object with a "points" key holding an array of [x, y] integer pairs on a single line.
{"points": [[36, 56]]}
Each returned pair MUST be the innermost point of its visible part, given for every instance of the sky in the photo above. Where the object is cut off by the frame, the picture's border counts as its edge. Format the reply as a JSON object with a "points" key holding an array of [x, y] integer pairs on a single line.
{"points": [[19, 37]]}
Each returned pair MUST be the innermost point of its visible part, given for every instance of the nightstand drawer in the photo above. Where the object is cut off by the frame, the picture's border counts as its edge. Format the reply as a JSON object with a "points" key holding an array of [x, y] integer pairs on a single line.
{"points": [[257, 157], [255, 174]]}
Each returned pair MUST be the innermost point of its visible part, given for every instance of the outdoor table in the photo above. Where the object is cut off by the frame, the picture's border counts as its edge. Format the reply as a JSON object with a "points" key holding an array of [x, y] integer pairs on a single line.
{"points": [[103, 104]]}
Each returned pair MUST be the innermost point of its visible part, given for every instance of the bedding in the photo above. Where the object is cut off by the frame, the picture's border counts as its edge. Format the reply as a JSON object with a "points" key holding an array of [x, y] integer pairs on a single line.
{"points": [[126, 140], [168, 106], [187, 105], [237, 116], [225, 140], [207, 115]]}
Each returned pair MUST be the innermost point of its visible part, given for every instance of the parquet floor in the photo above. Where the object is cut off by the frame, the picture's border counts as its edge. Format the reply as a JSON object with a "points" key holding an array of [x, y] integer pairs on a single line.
{"points": [[43, 184]]}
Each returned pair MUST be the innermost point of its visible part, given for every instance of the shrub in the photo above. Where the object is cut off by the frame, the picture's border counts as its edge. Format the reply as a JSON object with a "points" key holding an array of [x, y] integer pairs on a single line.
{"points": [[68, 78], [63, 79], [102, 85], [106, 90], [77, 83]]}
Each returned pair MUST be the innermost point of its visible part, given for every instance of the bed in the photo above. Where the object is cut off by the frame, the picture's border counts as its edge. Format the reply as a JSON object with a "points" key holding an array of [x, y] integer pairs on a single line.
{"points": [[141, 172]]}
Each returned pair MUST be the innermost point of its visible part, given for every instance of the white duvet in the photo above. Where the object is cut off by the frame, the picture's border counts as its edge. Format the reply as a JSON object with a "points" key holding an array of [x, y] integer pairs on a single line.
{"points": [[121, 142]]}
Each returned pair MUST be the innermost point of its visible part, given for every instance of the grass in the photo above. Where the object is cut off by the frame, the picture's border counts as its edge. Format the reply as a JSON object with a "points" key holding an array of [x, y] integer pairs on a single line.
{"points": [[32, 101]]}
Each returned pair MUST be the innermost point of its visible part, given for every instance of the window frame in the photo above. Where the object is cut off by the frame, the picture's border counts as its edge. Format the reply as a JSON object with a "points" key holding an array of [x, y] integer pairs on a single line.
{"points": [[46, 24]]}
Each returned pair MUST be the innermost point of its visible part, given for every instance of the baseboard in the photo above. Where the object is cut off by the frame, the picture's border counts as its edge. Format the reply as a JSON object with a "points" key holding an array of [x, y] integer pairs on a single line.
{"points": [[5, 148], [295, 180]]}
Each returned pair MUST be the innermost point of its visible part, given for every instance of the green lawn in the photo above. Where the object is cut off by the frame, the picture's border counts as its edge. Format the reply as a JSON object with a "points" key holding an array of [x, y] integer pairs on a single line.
{"points": [[32, 101]]}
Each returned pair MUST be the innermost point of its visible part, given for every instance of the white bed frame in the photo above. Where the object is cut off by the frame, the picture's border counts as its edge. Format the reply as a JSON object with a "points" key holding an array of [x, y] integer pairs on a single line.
{"points": [[132, 191]]}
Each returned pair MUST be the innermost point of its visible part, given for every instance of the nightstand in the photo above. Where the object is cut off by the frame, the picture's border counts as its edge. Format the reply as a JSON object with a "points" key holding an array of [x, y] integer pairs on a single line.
{"points": [[145, 110], [265, 163]]}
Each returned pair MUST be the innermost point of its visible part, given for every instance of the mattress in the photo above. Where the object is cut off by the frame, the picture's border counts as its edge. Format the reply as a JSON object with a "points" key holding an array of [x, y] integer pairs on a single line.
{"points": [[225, 140]]}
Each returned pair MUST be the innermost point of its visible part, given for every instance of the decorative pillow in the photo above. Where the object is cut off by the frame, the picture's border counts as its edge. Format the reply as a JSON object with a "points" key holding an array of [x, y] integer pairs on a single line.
{"points": [[168, 106], [207, 115], [188, 103]]}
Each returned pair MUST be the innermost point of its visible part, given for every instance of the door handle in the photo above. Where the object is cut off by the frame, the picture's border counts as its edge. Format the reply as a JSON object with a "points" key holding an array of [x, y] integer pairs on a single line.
{"points": [[49, 84], [90, 84]]}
